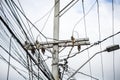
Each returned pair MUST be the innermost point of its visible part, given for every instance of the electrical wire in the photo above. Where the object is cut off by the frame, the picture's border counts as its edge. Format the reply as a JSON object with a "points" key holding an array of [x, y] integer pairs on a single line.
{"points": [[83, 17], [25, 49], [49, 12], [85, 63], [99, 31], [31, 22], [26, 20], [96, 43], [14, 13], [84, 74], [9, 59], [4, 23], [66, 7], [46, 21], [8, 11], [113, 39], [1, 57], [86, 35]]}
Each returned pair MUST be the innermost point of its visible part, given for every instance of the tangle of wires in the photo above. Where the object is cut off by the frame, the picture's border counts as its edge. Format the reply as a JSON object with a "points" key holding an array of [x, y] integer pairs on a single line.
{"points": [[13, 24]]}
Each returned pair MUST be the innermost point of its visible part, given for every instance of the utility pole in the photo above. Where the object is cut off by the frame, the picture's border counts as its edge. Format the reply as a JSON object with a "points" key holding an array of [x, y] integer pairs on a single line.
{"points": [[55, 55], [56, 43]]}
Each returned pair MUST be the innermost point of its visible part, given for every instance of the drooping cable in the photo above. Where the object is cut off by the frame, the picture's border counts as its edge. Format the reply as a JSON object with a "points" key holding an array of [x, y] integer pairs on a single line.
{"points": [[99, 32]]}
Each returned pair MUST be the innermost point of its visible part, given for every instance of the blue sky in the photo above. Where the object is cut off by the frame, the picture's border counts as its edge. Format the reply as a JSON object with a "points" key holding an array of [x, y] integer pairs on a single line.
{"points": [[109, 1]]}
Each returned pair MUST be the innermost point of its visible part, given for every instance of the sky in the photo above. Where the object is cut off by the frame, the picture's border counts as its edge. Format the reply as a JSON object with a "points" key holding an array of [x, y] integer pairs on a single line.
{"points": [[72, 21]]}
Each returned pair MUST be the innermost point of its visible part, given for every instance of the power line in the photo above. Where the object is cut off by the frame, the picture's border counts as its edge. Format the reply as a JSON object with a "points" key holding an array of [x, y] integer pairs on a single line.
{"points": [[46, 21], [66, 8], [45, 74], [96, 43], [113, 38], [1, 57], [15, 13], [85, 74], [26, 20], [99, 31], [86, 35], [9, 21], [9, 59], [83, 17], [108, 49], [29, 20]]}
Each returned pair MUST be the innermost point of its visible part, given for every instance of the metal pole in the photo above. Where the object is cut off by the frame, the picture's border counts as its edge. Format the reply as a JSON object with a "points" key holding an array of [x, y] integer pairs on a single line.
{"points": [[55, 55]]}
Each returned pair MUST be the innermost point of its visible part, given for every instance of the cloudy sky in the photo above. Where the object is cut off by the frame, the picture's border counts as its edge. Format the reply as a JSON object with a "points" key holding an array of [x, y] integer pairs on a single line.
{"points": [[72, 22]]}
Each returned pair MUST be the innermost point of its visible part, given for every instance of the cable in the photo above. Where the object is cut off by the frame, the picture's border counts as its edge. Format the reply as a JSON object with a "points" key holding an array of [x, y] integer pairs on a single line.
{"points": [[83, 17], [46, 21], [84, 74], [68, 7], [12, 9], [27, 21], [113, 39], [99, 31], [49, 12], [86, 36], [9, 59], [85, 64], [30, 21], [13, 67], [10, 20], [25, 49], [96, 43]]}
